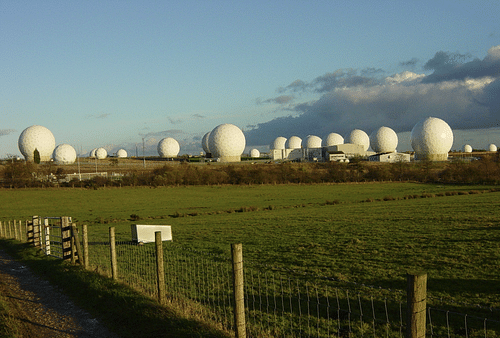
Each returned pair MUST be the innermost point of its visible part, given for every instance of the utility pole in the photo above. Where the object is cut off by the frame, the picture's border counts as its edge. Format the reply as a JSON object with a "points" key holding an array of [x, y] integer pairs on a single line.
{"points": [[143, 156]]}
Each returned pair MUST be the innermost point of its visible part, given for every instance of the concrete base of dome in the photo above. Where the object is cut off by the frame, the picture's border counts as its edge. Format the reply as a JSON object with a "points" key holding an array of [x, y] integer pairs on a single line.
{"points": [[229, 159], [431, 157]]}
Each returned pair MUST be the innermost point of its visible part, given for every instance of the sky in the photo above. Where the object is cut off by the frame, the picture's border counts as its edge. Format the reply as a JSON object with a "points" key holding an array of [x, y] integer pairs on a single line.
{"points": [[123, 74]]}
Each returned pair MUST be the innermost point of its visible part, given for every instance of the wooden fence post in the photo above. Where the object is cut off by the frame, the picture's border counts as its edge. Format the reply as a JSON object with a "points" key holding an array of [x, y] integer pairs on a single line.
{"points": [[15, 230], [66, 237], [30, 230], [1, 229], [85, 247], [78, 247], [112, 247], [416, 305], [160, 271], [238, 290], [10, 230]]}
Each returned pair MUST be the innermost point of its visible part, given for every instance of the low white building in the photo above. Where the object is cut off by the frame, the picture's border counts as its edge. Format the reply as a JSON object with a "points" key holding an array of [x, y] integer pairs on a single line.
{"points": [[390, 157]]}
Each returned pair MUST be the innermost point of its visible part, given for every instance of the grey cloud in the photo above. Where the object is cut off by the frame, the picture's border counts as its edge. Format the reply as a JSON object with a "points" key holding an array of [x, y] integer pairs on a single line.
{"points": [[282, 99], [172, 121], [449, 66], [5, 132], [410, 63], [198, 116]]}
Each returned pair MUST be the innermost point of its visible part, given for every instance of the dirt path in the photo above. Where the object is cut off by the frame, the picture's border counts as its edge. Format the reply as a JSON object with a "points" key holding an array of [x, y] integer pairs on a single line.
{"points": [[39, 309]]}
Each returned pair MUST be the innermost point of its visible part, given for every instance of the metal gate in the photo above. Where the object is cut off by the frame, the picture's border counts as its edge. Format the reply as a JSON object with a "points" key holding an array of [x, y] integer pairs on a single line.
{"points": [[52, 235]]}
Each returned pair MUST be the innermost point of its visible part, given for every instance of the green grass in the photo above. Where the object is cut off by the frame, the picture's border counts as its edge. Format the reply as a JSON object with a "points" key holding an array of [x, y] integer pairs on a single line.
{"points": [[371, 233], [123, 310]]}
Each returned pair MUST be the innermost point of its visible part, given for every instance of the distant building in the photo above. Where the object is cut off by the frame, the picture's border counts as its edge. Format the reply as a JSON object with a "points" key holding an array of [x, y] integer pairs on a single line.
{"points": [[390, 157]]}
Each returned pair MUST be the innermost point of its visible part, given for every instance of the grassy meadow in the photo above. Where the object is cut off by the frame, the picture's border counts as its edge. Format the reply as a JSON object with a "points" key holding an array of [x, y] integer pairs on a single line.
{"points": [[372, 233]]}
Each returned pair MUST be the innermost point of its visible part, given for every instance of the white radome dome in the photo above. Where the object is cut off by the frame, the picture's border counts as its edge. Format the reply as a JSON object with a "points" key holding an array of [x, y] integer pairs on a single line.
{"points": [[168, 147], [254, 153], [431, 138], [467, 148], [121, 153], [36, 137], [333, 139], [313, 141], [101, 153], [294, 142], [384, 140], [278, 143], [92, 153], [492, 147], [204, 143], [358, 136], [64, 154], [227, 142]]}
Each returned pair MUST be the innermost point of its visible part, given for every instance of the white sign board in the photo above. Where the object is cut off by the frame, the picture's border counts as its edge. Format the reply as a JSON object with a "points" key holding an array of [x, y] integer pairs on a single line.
{"points": [[145, 233]]}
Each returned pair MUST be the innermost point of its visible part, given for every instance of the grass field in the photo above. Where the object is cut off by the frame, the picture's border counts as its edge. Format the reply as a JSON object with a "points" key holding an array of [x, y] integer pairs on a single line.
{"points": [[372, 233]]}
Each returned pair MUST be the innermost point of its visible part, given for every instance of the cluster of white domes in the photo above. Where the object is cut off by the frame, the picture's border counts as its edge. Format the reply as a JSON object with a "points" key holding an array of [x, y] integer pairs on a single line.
{"points": [[168, 147], [226, 142], [39, 138], [431, 139], [64, 154]]}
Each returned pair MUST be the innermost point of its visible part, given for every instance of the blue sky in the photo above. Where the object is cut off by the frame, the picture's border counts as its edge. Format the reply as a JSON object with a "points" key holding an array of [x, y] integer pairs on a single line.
{"points": [[110, 73]]}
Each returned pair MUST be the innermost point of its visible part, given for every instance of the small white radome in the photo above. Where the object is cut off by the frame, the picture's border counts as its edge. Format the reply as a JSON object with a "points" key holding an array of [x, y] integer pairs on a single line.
{"points": [[64, 154], [254, 153], [121, 153], [101, 153]]}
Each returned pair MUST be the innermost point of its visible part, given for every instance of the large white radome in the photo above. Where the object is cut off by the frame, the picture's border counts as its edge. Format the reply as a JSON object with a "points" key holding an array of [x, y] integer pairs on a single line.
{"points": [[333, 139], [92, 153], [278, 143], [384, 140], [294, 142], [492, 147], [36, 137], [468, 148], [432, 139], [313, 141], [64, 154], [358, 136], [168, 147], [227, 142]]}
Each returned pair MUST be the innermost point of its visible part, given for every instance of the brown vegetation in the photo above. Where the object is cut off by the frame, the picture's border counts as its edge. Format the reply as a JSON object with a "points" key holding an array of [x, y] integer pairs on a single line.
{"points": [[483, 171]]}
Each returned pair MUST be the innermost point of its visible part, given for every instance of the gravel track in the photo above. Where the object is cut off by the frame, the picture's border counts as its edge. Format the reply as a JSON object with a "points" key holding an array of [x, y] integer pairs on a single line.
{"points": [[40, 309]]}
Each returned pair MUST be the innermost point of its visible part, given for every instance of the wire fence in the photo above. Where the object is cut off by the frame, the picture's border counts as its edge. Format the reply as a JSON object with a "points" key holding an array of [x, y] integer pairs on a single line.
{"points": [[278, 303]]}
